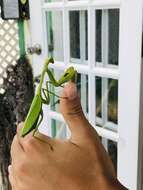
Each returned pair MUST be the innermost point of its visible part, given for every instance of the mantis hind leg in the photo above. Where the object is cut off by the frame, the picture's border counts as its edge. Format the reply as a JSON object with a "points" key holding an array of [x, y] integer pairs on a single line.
{"points": [[38, 124], [46, 92], [46, 96], [36, 129]]}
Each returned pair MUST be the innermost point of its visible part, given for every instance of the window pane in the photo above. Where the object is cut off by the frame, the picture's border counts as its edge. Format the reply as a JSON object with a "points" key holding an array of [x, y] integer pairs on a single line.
{"points": [[106, 103], [58, 129], [86, 35], [113, 36], [113, 100], [55, 34], [111, 148], [98, 96], [78, 36], [98, 35], [82, 86], [107, 36], [74, 34]]}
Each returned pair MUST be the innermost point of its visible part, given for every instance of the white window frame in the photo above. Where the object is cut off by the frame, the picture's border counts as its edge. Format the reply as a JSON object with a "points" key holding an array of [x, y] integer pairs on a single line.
{"points": [[128, 73]]}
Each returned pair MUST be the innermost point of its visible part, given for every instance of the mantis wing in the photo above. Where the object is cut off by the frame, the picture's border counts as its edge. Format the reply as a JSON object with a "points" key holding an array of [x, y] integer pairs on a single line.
{"points": [[33, 116]]}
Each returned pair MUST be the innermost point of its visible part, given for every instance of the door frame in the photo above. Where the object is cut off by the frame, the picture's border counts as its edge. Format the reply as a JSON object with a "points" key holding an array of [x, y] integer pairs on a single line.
{"points": [[129, 72]]}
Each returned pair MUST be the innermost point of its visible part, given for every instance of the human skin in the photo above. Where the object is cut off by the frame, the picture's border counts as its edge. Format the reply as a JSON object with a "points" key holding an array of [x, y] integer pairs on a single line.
{"points": [[79, 163]]}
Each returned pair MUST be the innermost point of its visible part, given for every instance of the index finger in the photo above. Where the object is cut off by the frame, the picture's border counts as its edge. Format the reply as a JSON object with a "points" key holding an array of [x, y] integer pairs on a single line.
{"points": [[35, 140], [16, 150]]}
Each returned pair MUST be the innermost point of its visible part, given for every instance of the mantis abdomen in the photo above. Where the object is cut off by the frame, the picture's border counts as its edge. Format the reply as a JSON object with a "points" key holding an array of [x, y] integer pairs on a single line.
{"points": [[33, 115]]}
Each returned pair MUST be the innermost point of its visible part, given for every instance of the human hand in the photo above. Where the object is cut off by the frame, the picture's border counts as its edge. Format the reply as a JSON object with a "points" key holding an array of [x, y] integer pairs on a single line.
{"points": [[79, 163]]}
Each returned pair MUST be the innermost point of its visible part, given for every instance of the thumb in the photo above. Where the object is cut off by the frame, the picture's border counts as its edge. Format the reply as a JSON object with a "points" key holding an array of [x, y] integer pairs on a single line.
{"points": [[72, 112]]}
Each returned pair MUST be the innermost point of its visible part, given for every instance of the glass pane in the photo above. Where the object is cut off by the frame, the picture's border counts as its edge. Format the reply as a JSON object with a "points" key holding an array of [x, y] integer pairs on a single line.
{"points": [[106, 102], [82, 86], [107, 36], [78, 36], [58, 129], [86, 35], [55, 34], [111, 148], [74, 34], [98, 89], [113, 100], [98, 35], [113, 36]]}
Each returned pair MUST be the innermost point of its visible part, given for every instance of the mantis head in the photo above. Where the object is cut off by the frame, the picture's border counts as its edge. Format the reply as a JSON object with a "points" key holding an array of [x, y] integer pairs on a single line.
{"points": [[68, 75]]}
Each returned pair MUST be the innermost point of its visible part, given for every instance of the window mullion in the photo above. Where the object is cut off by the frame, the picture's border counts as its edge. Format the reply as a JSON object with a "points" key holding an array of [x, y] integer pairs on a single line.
{"points": [[105, 48], [105, 143], [106, 4], [82, 36], [66, 37], [91, 63], [83, 92]]}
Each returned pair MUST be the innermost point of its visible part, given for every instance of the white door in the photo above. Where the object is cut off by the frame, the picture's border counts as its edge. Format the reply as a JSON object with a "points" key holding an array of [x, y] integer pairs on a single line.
{"points": [[102, 39]]}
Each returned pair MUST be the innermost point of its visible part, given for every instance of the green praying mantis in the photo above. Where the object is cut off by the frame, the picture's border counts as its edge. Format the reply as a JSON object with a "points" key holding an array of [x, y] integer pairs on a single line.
{"points": [[35, 114]]}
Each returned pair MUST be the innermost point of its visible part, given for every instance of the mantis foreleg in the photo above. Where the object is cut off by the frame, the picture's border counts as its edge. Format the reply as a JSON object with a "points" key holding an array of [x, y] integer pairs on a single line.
{"points": [[52, 93], [36, 129], [46, 96]]}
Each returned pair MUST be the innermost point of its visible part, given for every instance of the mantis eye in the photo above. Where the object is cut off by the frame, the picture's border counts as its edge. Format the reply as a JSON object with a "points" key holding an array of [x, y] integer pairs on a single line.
{"points": [[66, 74]]}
